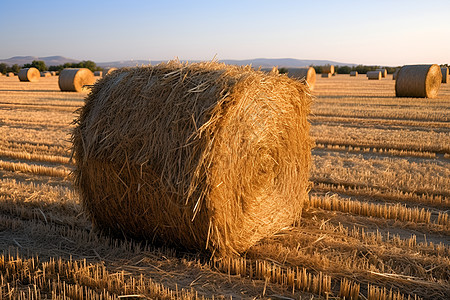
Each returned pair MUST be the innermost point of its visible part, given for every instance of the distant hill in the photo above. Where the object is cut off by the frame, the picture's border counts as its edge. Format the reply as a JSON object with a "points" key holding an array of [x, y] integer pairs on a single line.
{"points": [[263, 62], [49, 60]]}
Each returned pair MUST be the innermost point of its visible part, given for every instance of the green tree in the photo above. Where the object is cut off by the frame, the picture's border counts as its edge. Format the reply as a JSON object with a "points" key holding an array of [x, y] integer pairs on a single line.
{"points": [[3, 68], [38, 64], [15, 68], [88, 64], [343, 69]]}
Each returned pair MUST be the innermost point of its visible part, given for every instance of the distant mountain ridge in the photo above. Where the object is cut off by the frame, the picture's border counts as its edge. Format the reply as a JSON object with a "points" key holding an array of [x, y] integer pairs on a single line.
{"points": [[263, 62]]}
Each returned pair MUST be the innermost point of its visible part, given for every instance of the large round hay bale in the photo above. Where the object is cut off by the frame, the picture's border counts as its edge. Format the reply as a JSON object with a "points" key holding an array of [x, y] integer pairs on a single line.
{"points": [[374, 75], [29, 74], [202, 156], [420, 81], [394, 75], [353, 73], [74, 80], [308, 74], [445, 74], [107, 71], [383, 72], [328, 69]]}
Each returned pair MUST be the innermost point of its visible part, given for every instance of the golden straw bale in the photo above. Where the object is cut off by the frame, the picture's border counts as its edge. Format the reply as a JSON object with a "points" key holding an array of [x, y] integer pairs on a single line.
{"points": [[10, 74], [98, 73], [46, 74], [74, 80], [326, 75], [374, 75], [445, 74], [203, 156], [354, 73], [308, 74], [383, 72], [29, 74], [328, 69], [420, 81], [107, 71], [53, 73]]}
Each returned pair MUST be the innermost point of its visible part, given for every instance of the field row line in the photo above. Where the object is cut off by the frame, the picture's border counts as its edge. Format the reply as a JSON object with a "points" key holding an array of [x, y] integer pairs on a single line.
{"points": [[34, 157], [35, 107], [34, 169], [30, 147]]}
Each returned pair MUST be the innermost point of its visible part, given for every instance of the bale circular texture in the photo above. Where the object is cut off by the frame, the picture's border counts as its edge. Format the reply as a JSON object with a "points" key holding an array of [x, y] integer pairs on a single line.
{"points": [[203, 156], [354, 73], [374, 75], [74, 80], [107, 71], [445, 74], [383, 72], [309, 74], [328, 69], [420, 81], [29, 74]]}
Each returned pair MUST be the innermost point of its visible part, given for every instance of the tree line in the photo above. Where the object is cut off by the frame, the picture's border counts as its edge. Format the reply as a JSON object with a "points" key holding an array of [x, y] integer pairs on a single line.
{"points": [[41, 66]]}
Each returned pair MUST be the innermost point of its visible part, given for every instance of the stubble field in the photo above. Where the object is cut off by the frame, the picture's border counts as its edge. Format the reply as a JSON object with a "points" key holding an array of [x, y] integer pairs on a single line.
{"points": [[375, 226]]}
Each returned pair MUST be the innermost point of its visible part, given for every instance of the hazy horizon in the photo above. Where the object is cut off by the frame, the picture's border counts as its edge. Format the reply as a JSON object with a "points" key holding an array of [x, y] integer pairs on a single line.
{"points": [[385, 32]]}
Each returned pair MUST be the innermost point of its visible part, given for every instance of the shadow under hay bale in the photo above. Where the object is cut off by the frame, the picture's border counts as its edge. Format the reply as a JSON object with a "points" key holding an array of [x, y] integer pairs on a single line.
{"points": [[29, 74], [374, 75], [203, 156], [75, 80], [420, 81], [309, 74]]}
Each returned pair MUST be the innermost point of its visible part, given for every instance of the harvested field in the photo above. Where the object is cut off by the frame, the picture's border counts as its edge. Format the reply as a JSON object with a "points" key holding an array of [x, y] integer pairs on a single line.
{"points": [[374, 227]]}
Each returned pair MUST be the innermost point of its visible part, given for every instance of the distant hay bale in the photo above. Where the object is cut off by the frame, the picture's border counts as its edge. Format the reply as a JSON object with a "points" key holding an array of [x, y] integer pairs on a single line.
{"points": [[354, 73], [419, 81], [394, 75], [46, 74], [383, 72], [29, 74], [107, 71], [73, 80], [309, 74], [53, 73], [445, 74], [374, 75], [201, 156], [98, 73], [326, 75], [10, 74], [328, 69]]}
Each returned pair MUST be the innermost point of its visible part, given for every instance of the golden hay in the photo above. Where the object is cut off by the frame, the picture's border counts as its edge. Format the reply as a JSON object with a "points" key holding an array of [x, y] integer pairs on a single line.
{"points": [[10, 74], [202, 156], [383, 72], [46, 74], [374, 75], [107, 71], [308, 74], [420, 81], [74, 80], [328, 69], [98, 73], [53, 73], [326, 75], [29, 74], [445, 74], [354, 73]]}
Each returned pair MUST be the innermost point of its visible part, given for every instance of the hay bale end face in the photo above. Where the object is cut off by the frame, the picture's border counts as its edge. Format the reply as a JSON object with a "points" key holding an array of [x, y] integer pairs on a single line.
{"points": [[374, 75], [445, 74], [29, 74], [353, 73], [75, 80], [201, 156], [308, 74], [419, 81], [10, 74]]}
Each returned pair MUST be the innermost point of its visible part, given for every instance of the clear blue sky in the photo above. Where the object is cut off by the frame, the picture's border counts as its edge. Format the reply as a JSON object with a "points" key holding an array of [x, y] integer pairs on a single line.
{"points": [[382, 32]]}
